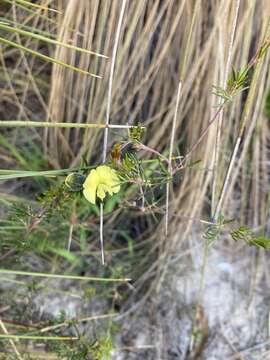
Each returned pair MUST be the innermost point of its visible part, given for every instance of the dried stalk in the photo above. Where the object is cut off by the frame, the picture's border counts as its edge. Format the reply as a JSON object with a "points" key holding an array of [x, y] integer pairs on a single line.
{"points": [[220, 120], [10, 341], [257, 62], [182, 71], [108, 109]]}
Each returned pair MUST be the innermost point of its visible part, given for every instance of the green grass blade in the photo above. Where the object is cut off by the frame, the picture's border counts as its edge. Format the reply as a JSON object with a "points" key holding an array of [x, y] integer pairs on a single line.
{"points": [[47, 58], [25, 27], [37, 6], [36, 337], [47, 39], [47, 124], [58, 276], [6, 174], [31, 11]]}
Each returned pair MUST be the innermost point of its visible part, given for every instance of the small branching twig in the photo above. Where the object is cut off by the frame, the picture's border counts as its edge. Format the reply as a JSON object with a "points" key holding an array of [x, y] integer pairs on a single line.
{"points": [[244, 233], [141, 146], [235, 85], [77, 321], [214, 230]]}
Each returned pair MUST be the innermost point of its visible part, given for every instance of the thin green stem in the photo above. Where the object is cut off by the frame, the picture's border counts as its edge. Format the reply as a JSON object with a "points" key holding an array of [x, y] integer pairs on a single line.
{"points": [[47, 39], [46, 124], [58, 276], [46, 58], [37, 6], [44, 338]]}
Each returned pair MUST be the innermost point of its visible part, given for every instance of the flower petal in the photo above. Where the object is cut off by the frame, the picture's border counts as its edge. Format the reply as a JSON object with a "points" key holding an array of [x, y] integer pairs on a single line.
{"points": [[101, 189], [104, 171], [92, 179], [100, 181], [90, 194], [104, 174]]}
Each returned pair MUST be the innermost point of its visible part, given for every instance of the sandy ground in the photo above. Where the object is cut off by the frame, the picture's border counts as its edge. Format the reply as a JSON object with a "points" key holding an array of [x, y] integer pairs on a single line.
{"points": [[232, 316]]}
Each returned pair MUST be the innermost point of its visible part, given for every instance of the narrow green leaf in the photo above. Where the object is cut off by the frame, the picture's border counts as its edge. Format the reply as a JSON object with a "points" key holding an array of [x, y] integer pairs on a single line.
{"points": [[36, 6], [58, 276], [35, 337], [260, 241], [48, 40], [69, 256], [47, 58]]}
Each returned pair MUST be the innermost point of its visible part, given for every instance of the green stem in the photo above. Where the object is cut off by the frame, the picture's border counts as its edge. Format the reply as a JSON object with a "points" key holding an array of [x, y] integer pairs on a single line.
{"points": [[37, 6], [25, 123], [29, 337], [57, 276], [46, 58], [47, 39]]}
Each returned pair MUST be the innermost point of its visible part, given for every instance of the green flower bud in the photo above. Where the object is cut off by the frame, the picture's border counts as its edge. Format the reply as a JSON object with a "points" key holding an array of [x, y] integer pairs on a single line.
{"points": [[74, 181]]}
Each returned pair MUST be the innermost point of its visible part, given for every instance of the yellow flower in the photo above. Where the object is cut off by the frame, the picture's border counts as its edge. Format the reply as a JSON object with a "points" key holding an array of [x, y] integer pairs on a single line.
{"points": [[100, 181]]}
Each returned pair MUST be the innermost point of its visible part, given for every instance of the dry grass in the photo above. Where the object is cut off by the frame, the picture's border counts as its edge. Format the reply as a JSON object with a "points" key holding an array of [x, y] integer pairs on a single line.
{"points": [[151, 49]]}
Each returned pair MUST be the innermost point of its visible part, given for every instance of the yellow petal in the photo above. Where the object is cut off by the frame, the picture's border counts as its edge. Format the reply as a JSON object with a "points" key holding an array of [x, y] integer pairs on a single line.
{"points": [[90, 194], [107, 172], [100, 181], [109, 189], [104, 171], [108, 176], [101, 190], [92, 180]]}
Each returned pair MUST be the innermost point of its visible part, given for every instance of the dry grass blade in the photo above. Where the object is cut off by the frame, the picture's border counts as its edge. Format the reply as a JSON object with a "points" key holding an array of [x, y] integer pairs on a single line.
{"points": [[170, 158], [18, 355], [220, 120], [243, 124]]}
